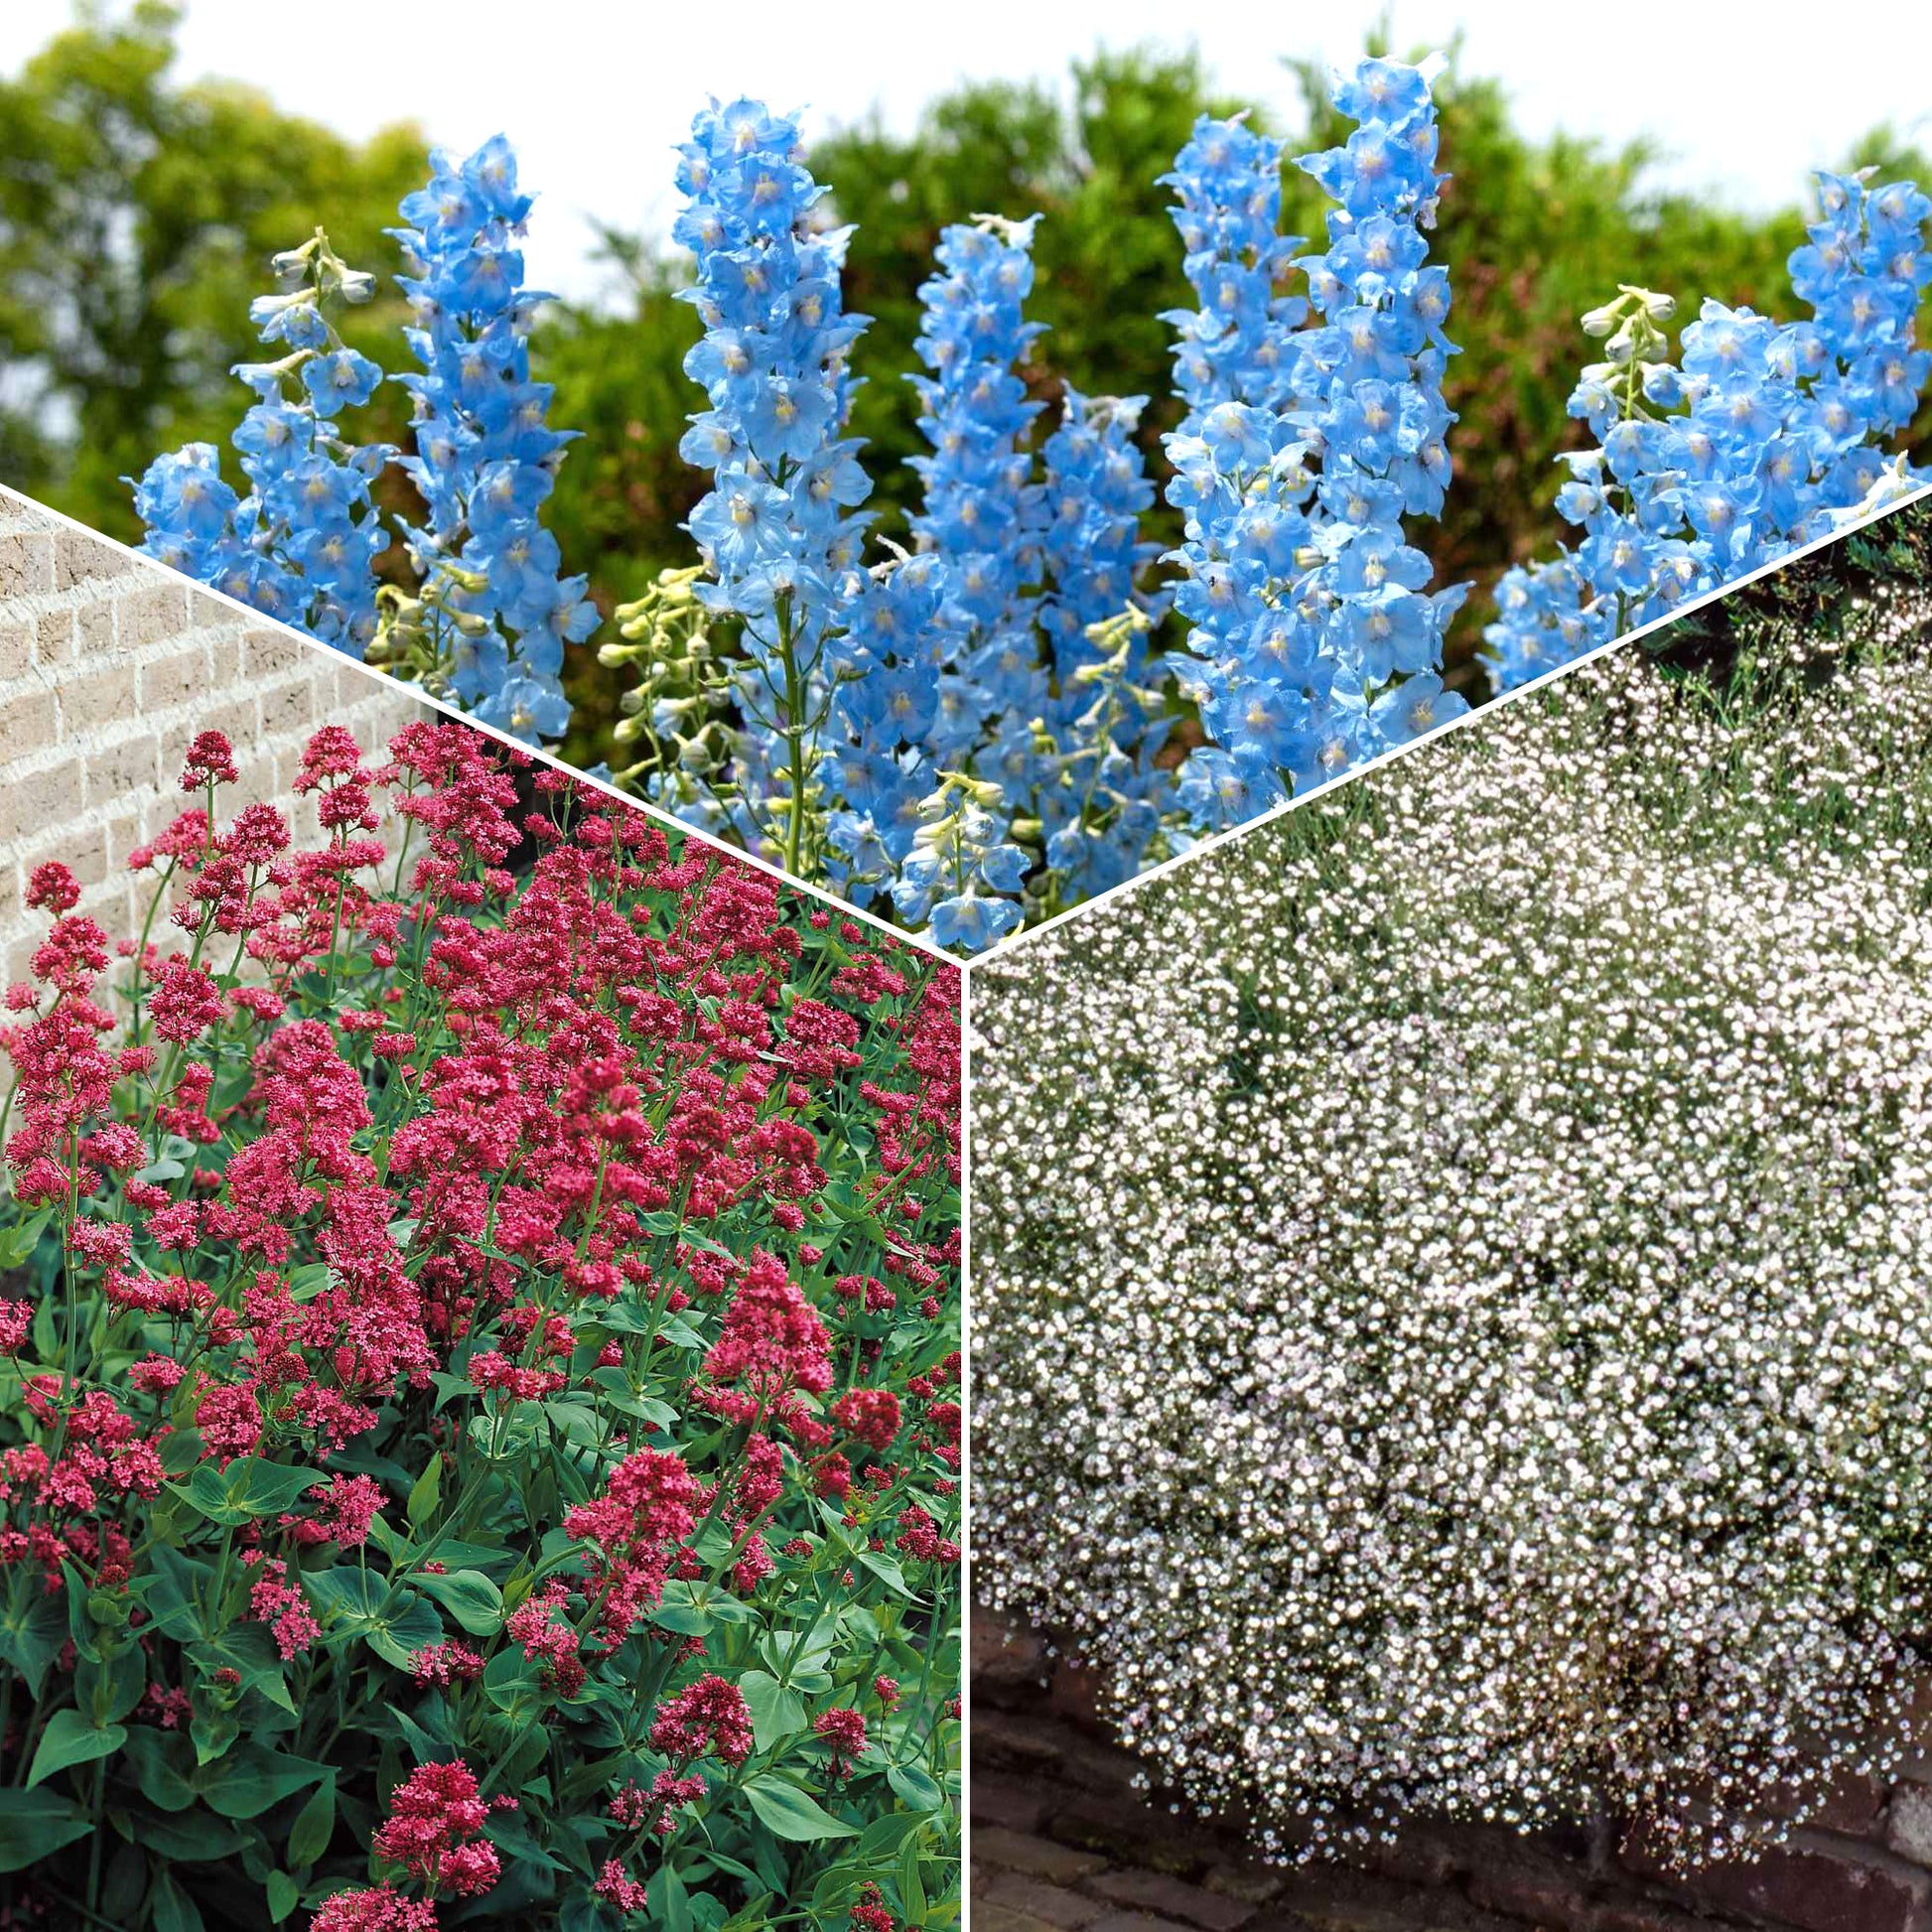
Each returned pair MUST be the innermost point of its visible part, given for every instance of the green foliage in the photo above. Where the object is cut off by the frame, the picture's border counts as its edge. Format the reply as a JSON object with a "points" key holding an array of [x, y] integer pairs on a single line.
{"points": [[137, 218]]}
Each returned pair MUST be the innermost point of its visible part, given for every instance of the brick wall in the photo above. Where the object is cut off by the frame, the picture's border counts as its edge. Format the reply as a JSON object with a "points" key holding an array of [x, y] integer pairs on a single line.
{"points": [[1064, 1840], [108, 665]]}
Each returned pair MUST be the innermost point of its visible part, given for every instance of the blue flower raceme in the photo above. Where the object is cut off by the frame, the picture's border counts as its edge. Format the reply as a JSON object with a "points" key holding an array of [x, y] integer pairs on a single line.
{"points": [[979, 655], [1760, 438], [1315, 642], [944, 640], [1236, 346], [981, 512], [302, 545], [497, 614], [489, 618], [780, 528]]}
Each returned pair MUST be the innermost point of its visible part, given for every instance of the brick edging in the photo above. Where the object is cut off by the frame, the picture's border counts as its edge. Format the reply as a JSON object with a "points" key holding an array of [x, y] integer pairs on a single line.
{"points": [[109, 663], [1065, 1837]]}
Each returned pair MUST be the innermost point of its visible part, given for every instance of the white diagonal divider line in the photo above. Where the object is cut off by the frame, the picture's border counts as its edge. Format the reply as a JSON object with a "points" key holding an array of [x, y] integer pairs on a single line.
{"points": [[834, 900], [669, 821], [1217, 840], [965, 1440]]}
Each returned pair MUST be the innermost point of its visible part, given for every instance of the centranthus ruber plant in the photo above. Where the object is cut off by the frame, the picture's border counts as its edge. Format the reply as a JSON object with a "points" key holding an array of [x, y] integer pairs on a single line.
{"points": [[480, 1437]]}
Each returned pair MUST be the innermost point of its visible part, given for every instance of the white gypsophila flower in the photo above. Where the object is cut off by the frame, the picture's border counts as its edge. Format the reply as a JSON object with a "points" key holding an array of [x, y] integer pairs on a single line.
{"points": [[1453, 1270]]}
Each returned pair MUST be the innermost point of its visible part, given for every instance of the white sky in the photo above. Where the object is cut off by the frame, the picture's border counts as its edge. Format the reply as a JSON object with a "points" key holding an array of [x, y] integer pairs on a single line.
{"points": [[1746, 98]]}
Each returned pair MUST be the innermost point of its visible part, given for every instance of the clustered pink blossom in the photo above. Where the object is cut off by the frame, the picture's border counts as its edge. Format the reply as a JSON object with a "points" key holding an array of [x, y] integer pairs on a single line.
{"points": [[352, 1155], [706, 1718], [844, 1730], [434, 1830]]}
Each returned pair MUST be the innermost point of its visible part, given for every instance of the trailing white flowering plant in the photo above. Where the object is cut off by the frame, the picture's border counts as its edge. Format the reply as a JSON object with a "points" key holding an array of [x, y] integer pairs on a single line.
{"points": [[1452, 1332]]}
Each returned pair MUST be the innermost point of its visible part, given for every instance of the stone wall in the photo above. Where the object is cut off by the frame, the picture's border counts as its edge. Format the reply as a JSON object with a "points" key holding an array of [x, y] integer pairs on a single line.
{"points": [[1064, 1841], [108, 665]]}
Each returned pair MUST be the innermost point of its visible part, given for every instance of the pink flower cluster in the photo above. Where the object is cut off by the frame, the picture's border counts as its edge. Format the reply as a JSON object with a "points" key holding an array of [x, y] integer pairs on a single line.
{"points": [[550, 1222]]}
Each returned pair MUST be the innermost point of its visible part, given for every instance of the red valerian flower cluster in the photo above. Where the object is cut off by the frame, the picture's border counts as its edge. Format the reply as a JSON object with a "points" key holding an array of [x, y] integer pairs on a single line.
{"points": [[480, 1336]]}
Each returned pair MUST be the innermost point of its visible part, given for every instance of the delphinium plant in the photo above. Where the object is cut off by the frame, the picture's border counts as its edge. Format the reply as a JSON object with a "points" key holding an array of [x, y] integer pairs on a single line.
{"points": [[482, 617], [480, 1327], [302, 545], [1761, 438], [1501, 1390], [986, 724], [1302, 449], [492, 615]]}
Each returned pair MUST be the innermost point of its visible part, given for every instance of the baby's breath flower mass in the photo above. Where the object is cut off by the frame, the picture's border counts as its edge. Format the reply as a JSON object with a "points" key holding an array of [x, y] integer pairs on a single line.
{"points": [[1452, 1319]]}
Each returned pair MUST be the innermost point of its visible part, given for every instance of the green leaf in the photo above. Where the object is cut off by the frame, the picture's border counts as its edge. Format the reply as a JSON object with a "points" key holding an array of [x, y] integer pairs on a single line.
{"points": [[190, 1839], [173, 1594], [506, 1676], [668, 1903], [18, 1241], [33, 1631], [912, 1888], [624, 1318], [172, 1908], [163, 1764], [776, 1712], [915, 1787], [34, 1823], [351, 1601], [251, 1778], [685, 1618], [425, 1492], [789, 1812], [284, 1896], [248, 1487], [883, 1838], [469, 1595], [314, 1827], [886, 1570], [71, 1739], [107, 1687], [308, 1281], [213, 1732]]}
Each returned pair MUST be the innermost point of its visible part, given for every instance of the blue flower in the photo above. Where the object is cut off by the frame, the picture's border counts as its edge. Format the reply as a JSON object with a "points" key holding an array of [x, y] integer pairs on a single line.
{"points": [[1763, 438], [1305, 447], [338, 379]]}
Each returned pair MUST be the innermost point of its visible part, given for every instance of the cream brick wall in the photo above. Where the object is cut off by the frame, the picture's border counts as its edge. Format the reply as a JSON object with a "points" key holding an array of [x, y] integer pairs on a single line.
{"points": [[108, 665]]}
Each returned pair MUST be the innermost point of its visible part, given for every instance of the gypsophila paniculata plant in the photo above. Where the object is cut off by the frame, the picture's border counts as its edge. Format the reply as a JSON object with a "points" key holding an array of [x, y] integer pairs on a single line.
{"points": [[1451, 1330], [978, 728], [479, 1344]]}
